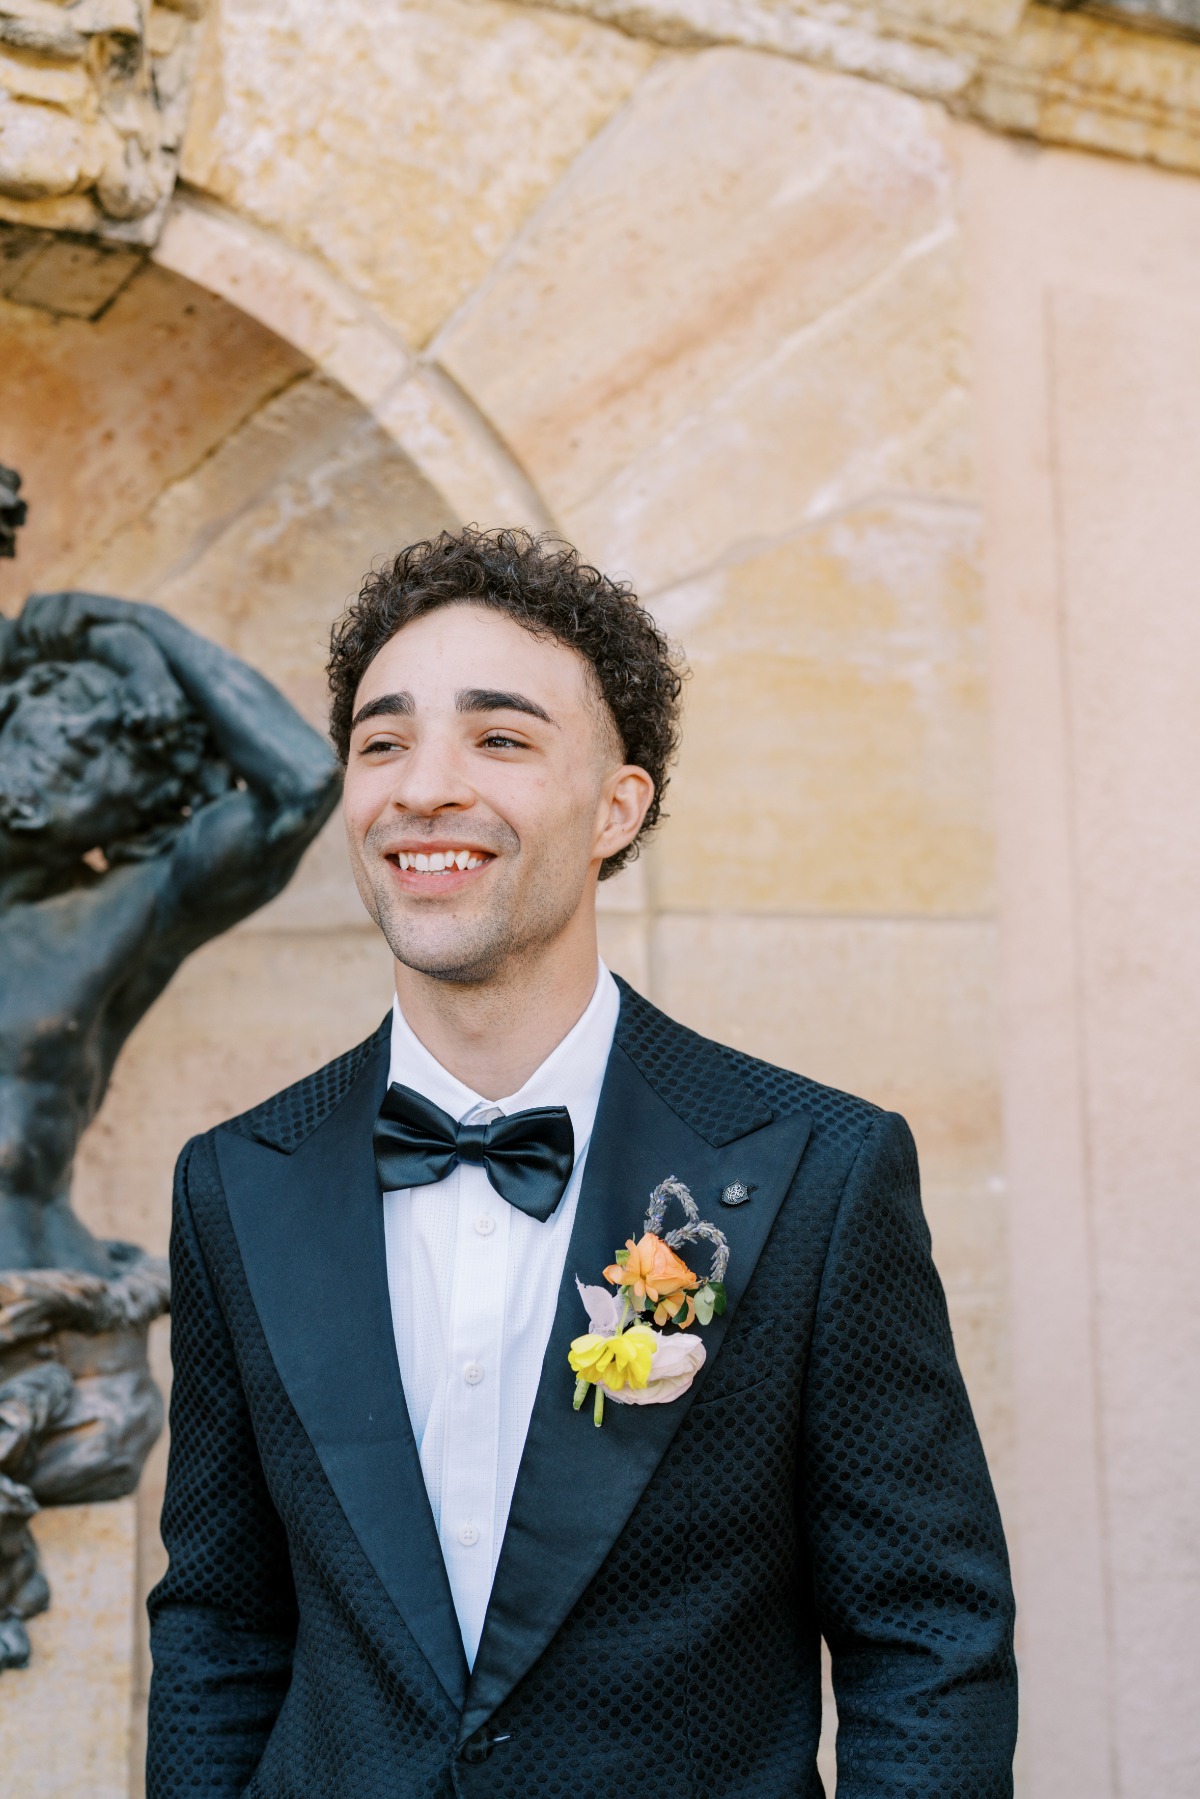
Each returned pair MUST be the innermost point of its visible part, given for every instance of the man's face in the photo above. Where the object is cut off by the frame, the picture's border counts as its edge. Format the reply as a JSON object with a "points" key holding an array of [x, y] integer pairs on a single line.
{"points": [[483, 789]]}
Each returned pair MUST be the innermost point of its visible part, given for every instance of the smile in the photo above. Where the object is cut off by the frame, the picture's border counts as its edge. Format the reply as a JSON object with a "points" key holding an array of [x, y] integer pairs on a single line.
{"points": [[440, 862]]}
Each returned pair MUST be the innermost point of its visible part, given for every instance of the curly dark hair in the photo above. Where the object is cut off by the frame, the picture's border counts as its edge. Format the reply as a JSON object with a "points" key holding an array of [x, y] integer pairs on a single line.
{"points": [[541, 583]]}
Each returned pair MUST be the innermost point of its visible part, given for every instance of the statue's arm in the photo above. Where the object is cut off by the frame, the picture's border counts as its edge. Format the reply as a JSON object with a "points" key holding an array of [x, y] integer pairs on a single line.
{"points": [[156, 700], [287, 764], [266, 742], [239, 851]]}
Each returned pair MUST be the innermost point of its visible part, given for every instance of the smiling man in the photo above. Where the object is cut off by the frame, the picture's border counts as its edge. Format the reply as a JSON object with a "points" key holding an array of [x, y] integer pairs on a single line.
{"points": [[404, 1559]]}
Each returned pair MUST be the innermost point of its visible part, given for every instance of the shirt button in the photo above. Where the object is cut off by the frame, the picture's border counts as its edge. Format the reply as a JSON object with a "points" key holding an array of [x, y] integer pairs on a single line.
{"points": [[485, 1224], [472, 1374], [468, 1536]]}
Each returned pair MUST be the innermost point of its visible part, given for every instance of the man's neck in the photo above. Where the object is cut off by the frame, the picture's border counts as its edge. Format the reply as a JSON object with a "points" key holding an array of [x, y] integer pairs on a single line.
{"points": [[494, 1035]]}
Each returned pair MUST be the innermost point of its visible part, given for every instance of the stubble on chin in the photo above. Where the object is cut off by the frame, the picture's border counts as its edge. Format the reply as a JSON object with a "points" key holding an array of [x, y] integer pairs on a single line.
{"points": [[463, 952], [477, 949]]}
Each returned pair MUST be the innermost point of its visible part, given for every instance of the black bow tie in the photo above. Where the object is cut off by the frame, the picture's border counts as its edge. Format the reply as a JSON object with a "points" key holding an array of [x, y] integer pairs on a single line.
{"points": [[528, 1156]]}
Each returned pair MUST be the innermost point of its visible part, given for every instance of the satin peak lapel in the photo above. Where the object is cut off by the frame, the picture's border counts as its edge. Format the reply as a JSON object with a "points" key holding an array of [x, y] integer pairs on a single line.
{"points": [[310, 1228], [578, 1485]]}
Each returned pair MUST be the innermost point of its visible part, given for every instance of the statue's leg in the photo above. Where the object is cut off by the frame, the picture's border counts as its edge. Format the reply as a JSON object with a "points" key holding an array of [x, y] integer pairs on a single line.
{"points": [[38, 1233], [29, 1404], [23, 1588], [99, 1447]]}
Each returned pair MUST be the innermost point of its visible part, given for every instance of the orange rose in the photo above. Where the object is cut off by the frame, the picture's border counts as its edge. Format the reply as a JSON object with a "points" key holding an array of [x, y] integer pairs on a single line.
{"points": [[654, 1272]]}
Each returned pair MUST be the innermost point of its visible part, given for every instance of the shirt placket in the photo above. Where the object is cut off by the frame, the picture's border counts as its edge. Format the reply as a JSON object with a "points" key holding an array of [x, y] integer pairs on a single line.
{"points": [[471, 1449]]}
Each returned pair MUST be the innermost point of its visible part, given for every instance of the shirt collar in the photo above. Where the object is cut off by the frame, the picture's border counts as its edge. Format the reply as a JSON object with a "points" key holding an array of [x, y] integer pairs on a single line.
{"points": [[572, 1074]]}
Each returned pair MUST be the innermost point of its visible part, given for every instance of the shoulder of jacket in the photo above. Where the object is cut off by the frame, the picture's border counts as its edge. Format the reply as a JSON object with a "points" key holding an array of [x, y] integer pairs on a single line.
{"points": [[787, 1092]]}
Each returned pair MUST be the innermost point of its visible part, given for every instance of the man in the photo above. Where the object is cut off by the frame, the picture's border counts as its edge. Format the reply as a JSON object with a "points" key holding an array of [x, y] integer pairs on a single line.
{"points": [[402, 1562], [153, 791]]}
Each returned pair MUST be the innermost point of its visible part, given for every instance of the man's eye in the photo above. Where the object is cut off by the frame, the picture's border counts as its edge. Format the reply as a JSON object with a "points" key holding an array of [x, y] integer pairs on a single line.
{"points": [[379, 746], [496, 740]]}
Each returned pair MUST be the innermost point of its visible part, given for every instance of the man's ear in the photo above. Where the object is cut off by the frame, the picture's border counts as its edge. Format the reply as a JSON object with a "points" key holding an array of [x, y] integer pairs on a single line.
{"points": [[628, 791]]}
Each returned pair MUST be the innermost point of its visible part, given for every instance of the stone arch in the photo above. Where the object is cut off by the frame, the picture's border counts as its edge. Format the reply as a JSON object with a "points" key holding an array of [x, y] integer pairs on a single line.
{"points": [[412, 399]]}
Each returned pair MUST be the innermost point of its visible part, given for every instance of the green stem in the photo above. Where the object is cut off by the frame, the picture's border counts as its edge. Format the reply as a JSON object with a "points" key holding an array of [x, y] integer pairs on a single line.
{"points": [[598, 1408], [581, 1387]]}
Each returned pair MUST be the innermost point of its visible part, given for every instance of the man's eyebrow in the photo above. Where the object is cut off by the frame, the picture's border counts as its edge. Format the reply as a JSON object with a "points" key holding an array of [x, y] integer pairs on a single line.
{"points": [[490, 699], [388, 705]]}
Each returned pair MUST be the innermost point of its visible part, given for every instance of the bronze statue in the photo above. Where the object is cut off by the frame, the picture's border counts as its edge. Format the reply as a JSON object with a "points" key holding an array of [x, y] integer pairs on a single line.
{"points": [[153, 791], [12, 510]]}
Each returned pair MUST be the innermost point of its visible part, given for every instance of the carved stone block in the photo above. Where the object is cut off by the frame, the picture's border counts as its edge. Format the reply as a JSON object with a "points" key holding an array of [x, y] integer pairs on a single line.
{"points": [[93, 101]]}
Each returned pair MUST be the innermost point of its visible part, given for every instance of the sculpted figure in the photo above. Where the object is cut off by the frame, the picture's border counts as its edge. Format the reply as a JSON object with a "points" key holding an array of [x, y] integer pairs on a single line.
{"points": [[12, 510], [153, 791]]}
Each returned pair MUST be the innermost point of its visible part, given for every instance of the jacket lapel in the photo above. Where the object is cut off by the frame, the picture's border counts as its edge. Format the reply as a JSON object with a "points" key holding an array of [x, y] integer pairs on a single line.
{"points": [[310, 1229], [578, 1485]]}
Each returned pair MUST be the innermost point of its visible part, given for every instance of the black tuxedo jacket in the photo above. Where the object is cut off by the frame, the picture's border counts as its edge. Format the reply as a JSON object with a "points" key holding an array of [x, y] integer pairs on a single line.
{"points": [[664, 1581]]}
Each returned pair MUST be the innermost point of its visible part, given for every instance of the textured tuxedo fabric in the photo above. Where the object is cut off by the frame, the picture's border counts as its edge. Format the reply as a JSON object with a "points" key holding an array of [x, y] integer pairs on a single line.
{"points": [[664, 1581]]}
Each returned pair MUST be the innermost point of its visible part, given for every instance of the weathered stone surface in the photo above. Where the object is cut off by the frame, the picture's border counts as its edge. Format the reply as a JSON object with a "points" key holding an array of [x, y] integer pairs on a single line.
{"points": [[898, 1010], [65, 1720], [834, 756], [75, 277], [279, 524], [1064, 77], [775, 331], [1126, 396], [1071, 79], [292, 294], [93, 97], [406, 142], [101, 417], [1181, 16], [1085, 277]]}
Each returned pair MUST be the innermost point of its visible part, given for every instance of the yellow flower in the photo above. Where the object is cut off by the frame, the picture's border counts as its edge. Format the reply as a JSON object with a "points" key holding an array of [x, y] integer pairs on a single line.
{"points": [[653, 1271], [614, 1362]]}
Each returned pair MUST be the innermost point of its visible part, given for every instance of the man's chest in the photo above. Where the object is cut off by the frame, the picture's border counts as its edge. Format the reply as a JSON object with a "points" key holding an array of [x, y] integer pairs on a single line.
{"points": [[473, 1285]]}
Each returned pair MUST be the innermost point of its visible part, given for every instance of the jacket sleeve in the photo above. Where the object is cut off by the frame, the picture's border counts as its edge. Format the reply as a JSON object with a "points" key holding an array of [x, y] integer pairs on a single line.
{"points": [[223, 1619], [909, 1563]]}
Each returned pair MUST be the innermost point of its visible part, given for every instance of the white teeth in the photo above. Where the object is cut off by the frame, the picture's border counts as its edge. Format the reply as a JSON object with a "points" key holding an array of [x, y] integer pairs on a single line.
{"points": [[440, 862]]}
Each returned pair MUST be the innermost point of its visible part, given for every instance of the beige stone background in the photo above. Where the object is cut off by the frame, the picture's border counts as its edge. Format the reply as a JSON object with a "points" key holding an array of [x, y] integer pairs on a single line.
{"points": [[866, 341]]}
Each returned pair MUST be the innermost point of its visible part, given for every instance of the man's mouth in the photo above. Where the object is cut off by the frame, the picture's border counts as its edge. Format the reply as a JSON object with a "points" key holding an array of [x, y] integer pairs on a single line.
{"points": [[438, 862]]}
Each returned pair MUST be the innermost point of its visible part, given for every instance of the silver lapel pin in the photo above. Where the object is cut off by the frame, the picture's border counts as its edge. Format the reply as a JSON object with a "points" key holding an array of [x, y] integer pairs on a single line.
{"points": [[735, 1194]]}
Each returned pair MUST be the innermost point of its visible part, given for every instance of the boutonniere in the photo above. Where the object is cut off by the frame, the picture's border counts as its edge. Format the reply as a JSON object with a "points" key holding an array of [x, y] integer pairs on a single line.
{"points": [[624, 1356]]}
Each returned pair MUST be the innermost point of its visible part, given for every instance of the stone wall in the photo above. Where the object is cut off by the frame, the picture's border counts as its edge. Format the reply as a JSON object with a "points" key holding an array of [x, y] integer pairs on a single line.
{"points": [[731, 297], [93, 102]]}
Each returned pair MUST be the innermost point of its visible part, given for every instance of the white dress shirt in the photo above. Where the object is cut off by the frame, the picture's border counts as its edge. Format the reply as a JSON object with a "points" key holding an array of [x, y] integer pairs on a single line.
{"points": [[474, 1287]]}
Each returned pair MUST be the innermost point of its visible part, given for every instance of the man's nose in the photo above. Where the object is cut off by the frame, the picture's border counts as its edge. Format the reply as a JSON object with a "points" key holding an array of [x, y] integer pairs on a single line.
{"points": [[431, 778]]}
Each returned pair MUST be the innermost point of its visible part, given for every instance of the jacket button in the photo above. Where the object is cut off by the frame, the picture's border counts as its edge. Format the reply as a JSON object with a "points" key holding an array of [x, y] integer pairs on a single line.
{"points": [[476, 1749]]}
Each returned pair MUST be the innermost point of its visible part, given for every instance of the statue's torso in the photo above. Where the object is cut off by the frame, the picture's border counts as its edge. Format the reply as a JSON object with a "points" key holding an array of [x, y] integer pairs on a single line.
{"points": [[68, 966]]}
